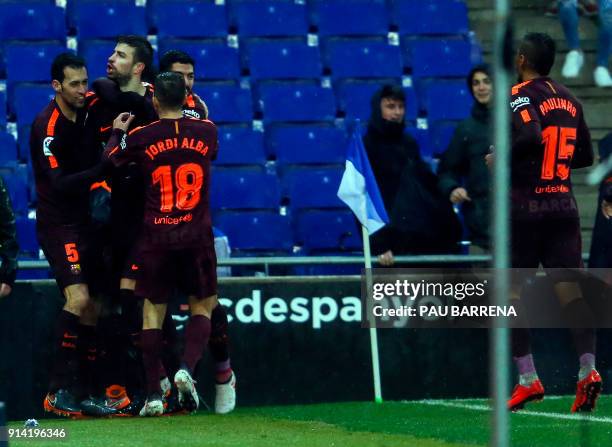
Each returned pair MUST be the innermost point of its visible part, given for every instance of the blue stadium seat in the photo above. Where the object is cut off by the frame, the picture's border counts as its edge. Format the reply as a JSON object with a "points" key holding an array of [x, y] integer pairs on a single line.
{"points": [[181, 18], [23, 142], [30, 61], [441, 134], [96, 54], [8, 149], [261, 18], [227, 102], [240, 145], [107, 19], [3, 104], [16, 183], [351, 17], [29, 100], [447, 100], [421, 136], [430, 17], [354, 98], [31, 20], [312, 187], [363, 58], [26, 236], [244, 188], [438, 57], [327, 230], [282, 59], [214, 59], [296, 101], [266, 231], [306, 144]]}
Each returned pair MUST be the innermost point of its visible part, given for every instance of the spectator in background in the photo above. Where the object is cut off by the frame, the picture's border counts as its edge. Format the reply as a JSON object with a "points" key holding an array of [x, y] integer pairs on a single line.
{"points": [[601, 255], [568, 15], [8, 243], [422, 221], [464, 178]]}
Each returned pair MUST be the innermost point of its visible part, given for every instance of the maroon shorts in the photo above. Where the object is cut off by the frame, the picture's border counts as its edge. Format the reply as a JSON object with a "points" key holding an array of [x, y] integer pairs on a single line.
{"points": [[192, 271], [131, 264], [72, 256]]}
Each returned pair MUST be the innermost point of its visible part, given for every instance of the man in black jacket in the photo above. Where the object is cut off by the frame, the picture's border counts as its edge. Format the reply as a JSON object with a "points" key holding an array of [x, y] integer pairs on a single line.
{"points": [[464, 177], [422, 221], [8, 243]]}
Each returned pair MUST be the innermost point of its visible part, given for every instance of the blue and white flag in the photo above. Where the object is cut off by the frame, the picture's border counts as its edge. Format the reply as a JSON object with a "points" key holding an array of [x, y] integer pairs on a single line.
{"points": [[358, 188]]}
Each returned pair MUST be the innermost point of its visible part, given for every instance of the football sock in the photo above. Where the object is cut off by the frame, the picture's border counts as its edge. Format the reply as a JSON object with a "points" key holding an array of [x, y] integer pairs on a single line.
{"points": [[131, 312], [66, 358], [170, 355], [526, 369], [87, 352], [151, 344], [581, 321], [587, 364], [196, 339], [219, 344]]}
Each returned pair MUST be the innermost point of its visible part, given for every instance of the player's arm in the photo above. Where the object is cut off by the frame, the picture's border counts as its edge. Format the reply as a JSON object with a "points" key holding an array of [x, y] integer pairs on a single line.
{"points": [[526, 126], [583, 153], [8, 242], [116, 148]]}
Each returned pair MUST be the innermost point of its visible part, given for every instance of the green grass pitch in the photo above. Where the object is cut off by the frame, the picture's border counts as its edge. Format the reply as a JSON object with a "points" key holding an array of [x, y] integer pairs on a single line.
{"points": [[440, 423]]}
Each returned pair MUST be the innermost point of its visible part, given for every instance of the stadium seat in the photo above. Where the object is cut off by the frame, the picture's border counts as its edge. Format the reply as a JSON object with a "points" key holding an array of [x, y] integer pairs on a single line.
{"points": [[8, 149], [30, 61], [327, 230], [193, 19], [261, 18], [31, 20], [23, 142], [26, 236], [267, 231], [354, 98], [29, 100], [306, 144], [227, 102], [351, 17], [362, 58], [96, 54], [430, 17], [107, 19], [447, 100], [3, 104], [240, 145], [438, 57], [441, 134], [16, 183], [296, 101], [282, 59], [244, 188], [312, 187], [214, 59]]}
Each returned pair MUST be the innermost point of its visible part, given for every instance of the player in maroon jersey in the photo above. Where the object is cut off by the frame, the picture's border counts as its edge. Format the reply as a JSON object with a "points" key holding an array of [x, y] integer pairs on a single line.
{"points": [[225, 378], [549, 138], [176, 245]]}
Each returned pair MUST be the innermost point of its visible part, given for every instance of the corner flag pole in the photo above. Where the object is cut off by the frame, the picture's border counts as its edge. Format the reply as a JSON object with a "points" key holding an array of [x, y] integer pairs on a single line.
{"points": [[373, 334]]}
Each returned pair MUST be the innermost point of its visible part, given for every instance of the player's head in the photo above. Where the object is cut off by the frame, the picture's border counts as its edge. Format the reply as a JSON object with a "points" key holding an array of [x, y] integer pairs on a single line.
{"points": [[179, 62], [131, 58], [392, 103], [169, 92], [480, 85], [69, 79], [536, 54]]}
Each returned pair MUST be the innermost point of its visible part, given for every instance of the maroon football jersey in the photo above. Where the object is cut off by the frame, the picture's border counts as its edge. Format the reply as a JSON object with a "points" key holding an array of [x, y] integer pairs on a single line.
{"points": [[174, 156], [549, 137]]}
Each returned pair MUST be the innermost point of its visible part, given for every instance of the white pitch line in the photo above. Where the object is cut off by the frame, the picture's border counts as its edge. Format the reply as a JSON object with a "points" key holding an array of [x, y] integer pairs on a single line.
{"points": [[474, 407]]}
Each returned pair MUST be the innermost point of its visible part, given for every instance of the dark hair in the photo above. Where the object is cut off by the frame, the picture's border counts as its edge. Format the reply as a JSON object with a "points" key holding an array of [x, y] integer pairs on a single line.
{"points": [[170, 89], [174, 57], [539, 50], [392, 92], [62, 61], [143, 52]]}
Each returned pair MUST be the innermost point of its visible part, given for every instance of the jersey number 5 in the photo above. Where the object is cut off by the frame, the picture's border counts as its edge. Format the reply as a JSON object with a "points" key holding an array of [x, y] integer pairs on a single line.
{"points": [[557, 148], [188, 180]]}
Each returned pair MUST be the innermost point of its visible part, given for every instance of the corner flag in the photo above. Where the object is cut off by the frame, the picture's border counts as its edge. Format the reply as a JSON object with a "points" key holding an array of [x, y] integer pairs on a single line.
{"points": [[358, 188]]}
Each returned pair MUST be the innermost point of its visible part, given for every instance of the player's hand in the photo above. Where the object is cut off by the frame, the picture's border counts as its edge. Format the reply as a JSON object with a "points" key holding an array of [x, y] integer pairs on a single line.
{"points": [[386, 258], [606, 209], [123, 121], [459, 195], [490, 160], [5, 290], [202, 105]]}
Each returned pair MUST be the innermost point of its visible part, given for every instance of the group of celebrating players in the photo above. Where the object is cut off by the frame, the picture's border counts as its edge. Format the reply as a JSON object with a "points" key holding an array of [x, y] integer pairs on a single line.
{"points": [[122, 176]]}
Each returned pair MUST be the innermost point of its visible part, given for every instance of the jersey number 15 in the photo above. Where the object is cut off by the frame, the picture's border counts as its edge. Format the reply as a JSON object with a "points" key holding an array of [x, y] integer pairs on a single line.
{"points": [[557, 148]]}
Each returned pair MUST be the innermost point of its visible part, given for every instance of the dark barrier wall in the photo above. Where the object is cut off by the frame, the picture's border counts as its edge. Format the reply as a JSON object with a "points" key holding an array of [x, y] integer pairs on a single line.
{"points": [[293, 340]]}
